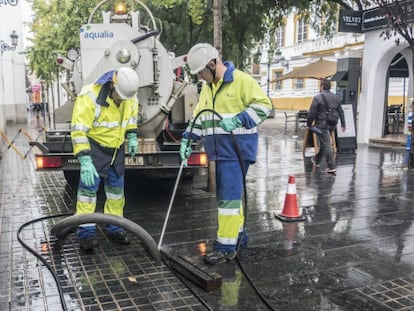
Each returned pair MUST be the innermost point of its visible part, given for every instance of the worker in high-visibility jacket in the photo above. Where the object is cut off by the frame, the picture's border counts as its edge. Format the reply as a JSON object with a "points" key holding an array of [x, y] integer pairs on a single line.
{"points": [[243, 105], [104, 114]]}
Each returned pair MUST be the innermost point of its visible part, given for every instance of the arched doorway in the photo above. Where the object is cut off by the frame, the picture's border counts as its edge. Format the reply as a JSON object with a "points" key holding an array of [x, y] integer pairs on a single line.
{"points": [[395, 101], [379, 56]]}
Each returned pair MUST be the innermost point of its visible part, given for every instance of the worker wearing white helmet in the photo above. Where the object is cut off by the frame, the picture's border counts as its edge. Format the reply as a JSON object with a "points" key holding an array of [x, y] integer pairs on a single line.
{"points": [[105, 113], [243, 105], [199, 56]]}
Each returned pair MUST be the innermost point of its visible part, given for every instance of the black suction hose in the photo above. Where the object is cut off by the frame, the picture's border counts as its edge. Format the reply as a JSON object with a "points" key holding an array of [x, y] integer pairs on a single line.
{"points": [[62, 228], [145, 36], [242, 167]]}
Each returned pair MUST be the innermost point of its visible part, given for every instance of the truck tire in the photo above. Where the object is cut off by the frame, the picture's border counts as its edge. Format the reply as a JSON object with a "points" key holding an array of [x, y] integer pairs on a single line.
{"points": [[72, 178]]}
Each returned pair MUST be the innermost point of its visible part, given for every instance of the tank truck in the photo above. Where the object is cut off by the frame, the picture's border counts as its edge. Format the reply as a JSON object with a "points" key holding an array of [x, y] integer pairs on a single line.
{"points": [[166, 102]]}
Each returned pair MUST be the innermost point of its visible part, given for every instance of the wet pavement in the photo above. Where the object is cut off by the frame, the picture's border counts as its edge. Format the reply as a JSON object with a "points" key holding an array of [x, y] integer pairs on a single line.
{"points": [[353, 252]]}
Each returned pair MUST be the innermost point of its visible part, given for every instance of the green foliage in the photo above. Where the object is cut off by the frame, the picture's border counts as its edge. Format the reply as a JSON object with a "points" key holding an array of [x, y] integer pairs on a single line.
{"points": [[194, 8], [56, 24], [245, 26], [55, 28], [322, 17], [400, 18], [180, 31]]}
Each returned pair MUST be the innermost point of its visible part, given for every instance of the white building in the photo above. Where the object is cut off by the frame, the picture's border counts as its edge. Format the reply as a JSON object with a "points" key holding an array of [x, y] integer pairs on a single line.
{"points": [[13, 99], [299, 45]]}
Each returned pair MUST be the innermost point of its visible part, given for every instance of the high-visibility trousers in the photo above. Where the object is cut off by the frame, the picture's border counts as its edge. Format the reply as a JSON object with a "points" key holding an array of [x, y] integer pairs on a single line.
{"points": [[229, 189], [114, 204]]}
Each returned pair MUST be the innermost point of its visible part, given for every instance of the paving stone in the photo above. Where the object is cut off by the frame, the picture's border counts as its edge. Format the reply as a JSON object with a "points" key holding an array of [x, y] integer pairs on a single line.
{"points": [[354, 251]]}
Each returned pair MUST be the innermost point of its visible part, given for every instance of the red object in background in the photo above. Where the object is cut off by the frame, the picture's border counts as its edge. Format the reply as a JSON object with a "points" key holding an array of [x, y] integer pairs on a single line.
{"points": [[36, 98]]}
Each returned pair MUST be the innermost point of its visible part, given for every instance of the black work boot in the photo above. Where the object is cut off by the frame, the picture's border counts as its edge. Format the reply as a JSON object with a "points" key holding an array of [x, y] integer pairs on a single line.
{"points": [[88, 244], [217, 257], [120, 237]]}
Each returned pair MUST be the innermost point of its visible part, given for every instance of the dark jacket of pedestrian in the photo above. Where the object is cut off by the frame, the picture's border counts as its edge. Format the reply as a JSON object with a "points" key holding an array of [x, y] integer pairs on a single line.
{"points": [[317, 116], [318, 110]]}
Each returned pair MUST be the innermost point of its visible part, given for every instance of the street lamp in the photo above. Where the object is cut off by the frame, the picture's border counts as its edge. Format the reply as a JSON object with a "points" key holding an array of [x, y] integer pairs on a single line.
{"points": [[269, 62], [274, 57], [278, 56], [6, 47]]}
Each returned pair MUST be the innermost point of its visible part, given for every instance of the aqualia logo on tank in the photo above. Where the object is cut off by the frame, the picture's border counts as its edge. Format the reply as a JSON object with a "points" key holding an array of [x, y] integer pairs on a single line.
{"points": [[88, 34]]}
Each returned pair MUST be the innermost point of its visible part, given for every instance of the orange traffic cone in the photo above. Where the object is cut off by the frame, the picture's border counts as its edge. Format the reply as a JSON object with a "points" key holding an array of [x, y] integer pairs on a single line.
{"points": [[290, 210]]}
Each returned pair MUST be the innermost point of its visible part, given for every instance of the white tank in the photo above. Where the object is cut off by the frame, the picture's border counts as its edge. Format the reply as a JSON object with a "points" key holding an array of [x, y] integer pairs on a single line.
{"points": [[121, 41]]}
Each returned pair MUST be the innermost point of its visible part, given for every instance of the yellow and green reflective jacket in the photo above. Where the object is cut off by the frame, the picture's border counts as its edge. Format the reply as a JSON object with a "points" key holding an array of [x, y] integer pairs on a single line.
{"points": [[238, 94], [103, 122]]}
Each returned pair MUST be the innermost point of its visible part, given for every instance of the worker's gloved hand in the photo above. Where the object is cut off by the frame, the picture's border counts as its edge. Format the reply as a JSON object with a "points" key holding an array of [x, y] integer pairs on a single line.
{"points": [[229, 124], [132, 144], [88, 171], [185, 150]]}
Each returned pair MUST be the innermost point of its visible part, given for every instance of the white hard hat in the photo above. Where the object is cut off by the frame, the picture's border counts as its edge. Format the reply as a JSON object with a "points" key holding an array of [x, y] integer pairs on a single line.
{"points": [[199, 56], [126, 82]]}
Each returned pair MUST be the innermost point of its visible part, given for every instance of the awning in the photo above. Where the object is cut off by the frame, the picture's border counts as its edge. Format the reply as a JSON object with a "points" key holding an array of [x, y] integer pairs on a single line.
{"points": [[340, 76], [320, 69]]}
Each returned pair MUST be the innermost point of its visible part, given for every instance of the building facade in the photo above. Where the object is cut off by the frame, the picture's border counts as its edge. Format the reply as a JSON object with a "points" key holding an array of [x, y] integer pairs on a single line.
{"points": [[13, 97], [298, 45]]}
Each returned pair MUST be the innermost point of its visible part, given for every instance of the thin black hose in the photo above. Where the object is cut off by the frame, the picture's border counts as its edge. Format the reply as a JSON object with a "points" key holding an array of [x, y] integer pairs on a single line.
{"points": [[240, 158], [38, 256]]}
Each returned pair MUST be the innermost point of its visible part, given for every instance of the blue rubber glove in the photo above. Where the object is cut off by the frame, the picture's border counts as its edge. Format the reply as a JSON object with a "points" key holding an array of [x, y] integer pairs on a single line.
{"points": [[229, 124], [185, 150], [132, 144], [88, 171]]}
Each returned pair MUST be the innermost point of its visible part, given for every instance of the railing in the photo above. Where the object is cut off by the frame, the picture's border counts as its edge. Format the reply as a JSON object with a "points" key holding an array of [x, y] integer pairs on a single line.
{"points": [[10, 142]]}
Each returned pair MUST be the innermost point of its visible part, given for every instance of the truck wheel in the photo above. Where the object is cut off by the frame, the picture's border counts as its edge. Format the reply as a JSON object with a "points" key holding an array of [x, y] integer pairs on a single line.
{"points": [[72, 178]]}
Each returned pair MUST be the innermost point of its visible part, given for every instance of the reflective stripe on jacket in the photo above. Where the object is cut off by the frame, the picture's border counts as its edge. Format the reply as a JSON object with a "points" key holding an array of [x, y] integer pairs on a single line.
{"points": [[105, 123], [241, 95]]}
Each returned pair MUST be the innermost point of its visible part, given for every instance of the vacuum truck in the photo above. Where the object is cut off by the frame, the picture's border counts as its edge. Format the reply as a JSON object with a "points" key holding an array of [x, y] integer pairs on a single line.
{"points": [[166, 102]]}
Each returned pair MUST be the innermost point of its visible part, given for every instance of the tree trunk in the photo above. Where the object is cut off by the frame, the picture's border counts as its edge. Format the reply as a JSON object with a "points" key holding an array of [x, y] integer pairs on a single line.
{"points": [[218, 44], [217, 21], [211, 183]]}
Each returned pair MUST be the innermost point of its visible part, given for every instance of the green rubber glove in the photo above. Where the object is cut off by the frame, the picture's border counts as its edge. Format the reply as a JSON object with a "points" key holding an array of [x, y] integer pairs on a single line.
{"points": [[132, 144], [185, 150], [229, 124], [88, 171]]}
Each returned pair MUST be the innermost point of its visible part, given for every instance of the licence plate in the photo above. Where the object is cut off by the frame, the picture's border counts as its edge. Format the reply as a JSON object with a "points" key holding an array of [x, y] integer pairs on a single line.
{"points": [[134, 161]]}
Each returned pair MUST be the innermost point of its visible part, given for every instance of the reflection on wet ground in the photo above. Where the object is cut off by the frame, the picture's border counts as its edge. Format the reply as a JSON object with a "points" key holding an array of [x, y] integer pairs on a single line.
{"points": [[353, 252]]}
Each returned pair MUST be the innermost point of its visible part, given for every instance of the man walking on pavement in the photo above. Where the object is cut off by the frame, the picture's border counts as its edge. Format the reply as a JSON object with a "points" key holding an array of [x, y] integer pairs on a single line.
{"points": [[104, 114], [319, 118], [243, 105]]}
